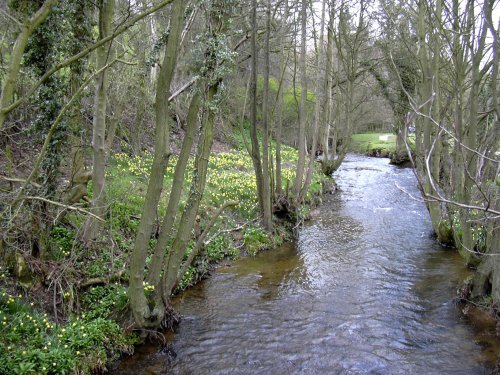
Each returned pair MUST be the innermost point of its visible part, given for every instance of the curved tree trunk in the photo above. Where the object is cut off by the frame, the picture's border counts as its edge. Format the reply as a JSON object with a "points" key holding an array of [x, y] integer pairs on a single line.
{"points": [[16, 56]]}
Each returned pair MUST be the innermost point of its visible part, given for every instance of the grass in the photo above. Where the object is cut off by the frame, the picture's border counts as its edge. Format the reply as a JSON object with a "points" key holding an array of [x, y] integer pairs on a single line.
{"points": [[375, 144]]}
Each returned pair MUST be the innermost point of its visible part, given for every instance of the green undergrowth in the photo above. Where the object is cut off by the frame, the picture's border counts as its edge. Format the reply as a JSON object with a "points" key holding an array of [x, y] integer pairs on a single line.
{"points": [[90, 333], [32, 343]]}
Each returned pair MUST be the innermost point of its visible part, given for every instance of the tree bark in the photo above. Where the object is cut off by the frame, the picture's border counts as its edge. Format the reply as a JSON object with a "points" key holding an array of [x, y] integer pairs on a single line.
{"points": [[188, 217], [254, 141], [9, 83], [138, 301], [267, 221], [299, 175], [92, 226], [176, 190], [320, 95]]}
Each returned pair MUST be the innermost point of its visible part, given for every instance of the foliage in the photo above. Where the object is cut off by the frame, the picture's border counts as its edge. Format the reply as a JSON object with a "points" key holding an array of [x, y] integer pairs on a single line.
{"points": [[219, 248], [62, 241], [255, 240], [30, 342], [187, 279], [102, 301]]}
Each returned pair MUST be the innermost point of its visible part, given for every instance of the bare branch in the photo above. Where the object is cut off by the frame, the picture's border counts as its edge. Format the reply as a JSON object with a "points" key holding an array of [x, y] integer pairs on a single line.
{"points": [[83, 53], [71, 208]]}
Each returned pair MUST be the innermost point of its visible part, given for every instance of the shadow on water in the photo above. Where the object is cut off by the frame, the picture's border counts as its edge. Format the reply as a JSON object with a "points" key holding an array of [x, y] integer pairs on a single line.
{"points": [[365, 290]]}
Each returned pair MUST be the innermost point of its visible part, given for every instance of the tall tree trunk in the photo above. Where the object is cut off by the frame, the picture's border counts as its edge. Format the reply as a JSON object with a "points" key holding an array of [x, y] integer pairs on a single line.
{"points": [[79, 176], [138, 302], [176, 190], [279, 105], [267, 221], [320, 95], [106, 10], [254, 141], [188, 217], [327, 112], [299, 176], [144, 84]]}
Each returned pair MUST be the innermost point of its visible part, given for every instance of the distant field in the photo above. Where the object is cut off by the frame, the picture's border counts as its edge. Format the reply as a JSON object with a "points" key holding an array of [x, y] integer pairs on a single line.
{"points": [[372, 143]]}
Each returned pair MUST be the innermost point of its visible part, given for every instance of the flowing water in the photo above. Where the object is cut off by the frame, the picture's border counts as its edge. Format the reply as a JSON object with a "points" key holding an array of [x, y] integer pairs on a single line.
{"points": [[365, 290]]}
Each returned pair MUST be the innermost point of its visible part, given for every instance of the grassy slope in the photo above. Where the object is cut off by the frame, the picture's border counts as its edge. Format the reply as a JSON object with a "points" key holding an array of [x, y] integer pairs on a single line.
{"points": [[33, 342], [371, 144]]}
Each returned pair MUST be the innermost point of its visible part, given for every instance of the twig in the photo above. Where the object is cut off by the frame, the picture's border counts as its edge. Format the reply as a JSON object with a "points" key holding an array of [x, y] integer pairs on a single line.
{"points": [[6, 14], [71, 208], [52, 129], [183, 88], [83, 53], [101, 280], [12, 179], [230, 230], [416, 110], [432, 198]]}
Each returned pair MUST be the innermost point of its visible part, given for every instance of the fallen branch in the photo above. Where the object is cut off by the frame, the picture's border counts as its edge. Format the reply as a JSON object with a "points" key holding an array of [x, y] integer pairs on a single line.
{"points": [[235, 229], [101, 280], [71, 208], [183, 88], [12, 179]]}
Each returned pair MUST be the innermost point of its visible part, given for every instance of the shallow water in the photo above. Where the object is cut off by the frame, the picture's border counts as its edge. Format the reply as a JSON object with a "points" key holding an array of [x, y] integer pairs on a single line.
{"points": [[365, 290]]}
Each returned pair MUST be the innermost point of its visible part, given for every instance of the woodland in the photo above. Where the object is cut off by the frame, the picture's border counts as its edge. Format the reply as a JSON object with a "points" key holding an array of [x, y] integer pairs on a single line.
{"points": [[143, 141]]}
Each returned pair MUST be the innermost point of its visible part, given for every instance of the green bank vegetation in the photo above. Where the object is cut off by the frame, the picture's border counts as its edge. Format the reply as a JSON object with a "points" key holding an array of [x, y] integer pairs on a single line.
{"points": [[112, 113]]}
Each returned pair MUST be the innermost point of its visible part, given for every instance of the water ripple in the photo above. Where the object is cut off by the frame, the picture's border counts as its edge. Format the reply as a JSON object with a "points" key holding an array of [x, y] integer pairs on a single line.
{"points": [[365, 290]]}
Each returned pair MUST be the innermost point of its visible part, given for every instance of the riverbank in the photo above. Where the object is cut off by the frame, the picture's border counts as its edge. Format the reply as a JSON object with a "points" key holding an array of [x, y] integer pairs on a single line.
{"points": [[366, 286], [69, 314], [373, 144]]}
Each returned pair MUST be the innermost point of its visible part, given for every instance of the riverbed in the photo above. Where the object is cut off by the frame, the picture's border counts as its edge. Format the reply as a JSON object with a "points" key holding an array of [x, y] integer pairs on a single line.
{"points": [[364, 290]]}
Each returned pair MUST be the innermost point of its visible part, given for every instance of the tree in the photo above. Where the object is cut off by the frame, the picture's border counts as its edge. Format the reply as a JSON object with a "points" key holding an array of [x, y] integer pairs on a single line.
{"points": [[9, 82], [139, 304], [106, 11], [457, 128], [299, 175], [214, 65]]}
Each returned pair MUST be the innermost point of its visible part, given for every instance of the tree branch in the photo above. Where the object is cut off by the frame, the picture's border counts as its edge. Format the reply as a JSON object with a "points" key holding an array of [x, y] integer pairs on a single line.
{"points": [[83, 53]]}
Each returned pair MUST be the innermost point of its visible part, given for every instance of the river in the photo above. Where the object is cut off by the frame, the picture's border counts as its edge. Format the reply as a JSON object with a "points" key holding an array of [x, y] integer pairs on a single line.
{"points": [[364, 290]]}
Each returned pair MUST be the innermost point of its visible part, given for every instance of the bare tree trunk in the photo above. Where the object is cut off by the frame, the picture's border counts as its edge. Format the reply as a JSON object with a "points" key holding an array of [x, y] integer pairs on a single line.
{"points": [[176, 191], [255, 152], [188, 217], [279, 105], [328, 94], [320, 95], [299, 175], [79, 176], [267, 215], [138, 302], [92, 226]]}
